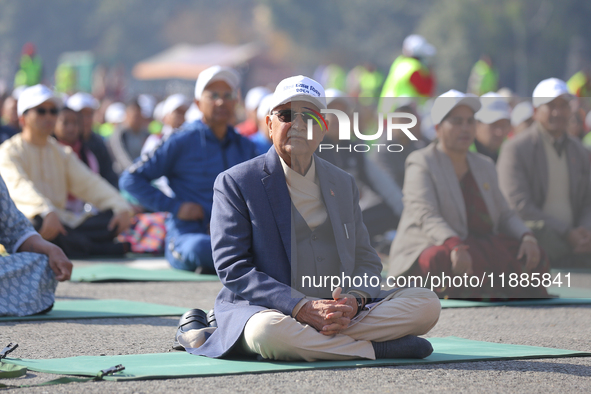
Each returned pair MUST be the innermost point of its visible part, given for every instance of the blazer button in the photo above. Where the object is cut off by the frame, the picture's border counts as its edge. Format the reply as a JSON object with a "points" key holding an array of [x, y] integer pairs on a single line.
{"points": [[319, 259]]}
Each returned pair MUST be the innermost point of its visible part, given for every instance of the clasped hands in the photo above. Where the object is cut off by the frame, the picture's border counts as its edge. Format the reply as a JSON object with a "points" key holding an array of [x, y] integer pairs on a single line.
{"points": [[329, 317]]}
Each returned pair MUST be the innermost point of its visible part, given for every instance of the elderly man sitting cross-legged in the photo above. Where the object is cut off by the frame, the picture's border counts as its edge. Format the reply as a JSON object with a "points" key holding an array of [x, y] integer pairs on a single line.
{"points": [[546, 177], [288, 215]]}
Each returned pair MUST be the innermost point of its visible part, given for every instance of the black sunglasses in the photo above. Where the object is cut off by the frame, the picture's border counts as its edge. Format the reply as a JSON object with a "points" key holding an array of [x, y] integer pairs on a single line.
{"points": [[43, 111], [288, 115]]}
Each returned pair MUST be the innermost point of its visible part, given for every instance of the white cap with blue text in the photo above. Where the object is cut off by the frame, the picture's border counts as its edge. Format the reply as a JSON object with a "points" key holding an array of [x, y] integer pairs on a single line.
{"points": [[34, 96], [445, 103], [548, 90], [213, 74], [299, 88]]}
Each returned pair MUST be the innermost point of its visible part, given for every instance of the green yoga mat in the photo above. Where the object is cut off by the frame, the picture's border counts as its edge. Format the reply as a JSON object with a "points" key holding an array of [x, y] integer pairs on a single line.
{"points": [[119, 272], [541, 302], [180, 365], [99, 309], [567, 296]]}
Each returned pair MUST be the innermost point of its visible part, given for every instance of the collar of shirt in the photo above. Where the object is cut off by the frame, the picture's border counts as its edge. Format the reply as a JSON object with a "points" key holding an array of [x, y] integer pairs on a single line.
{"points": [[302, 187], [209, 135], [559, 143], [306, 195], [292, 176]]}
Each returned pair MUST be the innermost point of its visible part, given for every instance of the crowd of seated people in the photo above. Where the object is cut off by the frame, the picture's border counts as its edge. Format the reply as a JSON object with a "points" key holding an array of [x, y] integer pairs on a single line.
{"points": [[503, 187], [43, 177]]}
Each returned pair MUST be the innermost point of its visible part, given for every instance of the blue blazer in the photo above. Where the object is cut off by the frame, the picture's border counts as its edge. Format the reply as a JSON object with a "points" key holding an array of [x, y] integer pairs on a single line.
{"points": [[251, 230]]}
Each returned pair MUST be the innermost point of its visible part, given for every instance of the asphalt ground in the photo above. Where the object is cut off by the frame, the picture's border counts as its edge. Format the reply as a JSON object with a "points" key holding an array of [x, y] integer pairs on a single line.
{"points": [[556, 327]]}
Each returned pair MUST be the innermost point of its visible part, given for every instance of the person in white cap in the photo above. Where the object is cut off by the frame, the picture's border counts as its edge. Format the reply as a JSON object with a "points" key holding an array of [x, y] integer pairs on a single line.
{"points": [[85, 105], [173, 116], [493, 125], [40, 173], [191, 158], [252, 101], [545, 175], [115, 113], [381, 197], [455, 219], [126, 142], [261, 138], [410, 74], [288, 215], [522, 117]]}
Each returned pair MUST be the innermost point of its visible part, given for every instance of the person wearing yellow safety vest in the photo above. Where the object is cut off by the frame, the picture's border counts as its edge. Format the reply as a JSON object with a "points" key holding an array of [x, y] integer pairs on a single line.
{"points": [[484, 77], [365, 81], [410, 75], [334, 77], [493, 125], [65, 78], [30, 67], [580, 83]]}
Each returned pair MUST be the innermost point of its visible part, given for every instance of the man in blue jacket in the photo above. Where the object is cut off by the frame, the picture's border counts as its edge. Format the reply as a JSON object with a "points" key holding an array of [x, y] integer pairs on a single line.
{"points": [[191, 158], [283, 222]]}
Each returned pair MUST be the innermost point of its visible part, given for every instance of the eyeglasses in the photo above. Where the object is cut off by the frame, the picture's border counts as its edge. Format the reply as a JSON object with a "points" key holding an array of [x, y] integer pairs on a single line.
{"points": [[458, 120], [287, 115], [43, 111], [215, 96]]}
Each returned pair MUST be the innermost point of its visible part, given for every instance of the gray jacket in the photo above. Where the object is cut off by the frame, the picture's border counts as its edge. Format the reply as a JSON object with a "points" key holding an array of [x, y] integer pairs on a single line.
{"points": [[523, 178], [434, 208]]}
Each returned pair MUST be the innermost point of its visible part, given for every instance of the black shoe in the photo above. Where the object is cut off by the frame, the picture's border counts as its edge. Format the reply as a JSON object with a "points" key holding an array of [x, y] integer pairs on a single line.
{"points": [[191, 320], [211, 319], [201, 270]]}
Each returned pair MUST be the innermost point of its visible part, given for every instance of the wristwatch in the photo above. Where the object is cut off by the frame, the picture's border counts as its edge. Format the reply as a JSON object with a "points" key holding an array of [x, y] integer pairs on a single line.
{"points": [[360, 301], [359, 304]]}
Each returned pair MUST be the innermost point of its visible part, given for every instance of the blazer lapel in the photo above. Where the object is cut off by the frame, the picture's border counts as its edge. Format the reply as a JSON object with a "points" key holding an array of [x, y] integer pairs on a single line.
{"points": [[276, 188], [327, 187], [451, 182]]}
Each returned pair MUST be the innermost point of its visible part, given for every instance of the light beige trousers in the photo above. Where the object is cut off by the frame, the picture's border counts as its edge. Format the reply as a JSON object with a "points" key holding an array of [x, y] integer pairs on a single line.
{"points": [[275, 336]]}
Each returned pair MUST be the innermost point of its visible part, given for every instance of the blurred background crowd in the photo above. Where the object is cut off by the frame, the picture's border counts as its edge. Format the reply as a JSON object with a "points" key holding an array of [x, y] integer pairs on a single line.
{"points": [[120, 77]]}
